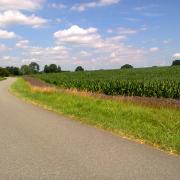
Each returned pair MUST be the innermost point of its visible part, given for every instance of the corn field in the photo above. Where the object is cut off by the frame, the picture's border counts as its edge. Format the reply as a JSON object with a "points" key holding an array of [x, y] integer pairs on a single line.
{"points": [[149, 82]]}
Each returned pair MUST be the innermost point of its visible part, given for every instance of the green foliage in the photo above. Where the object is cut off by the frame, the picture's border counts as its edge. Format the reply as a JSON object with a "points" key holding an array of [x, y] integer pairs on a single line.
{"points": [[79, 68], [52, 68], [126, 66], [14, 71], [34, 67], [4, 72], [176, 63], [151, 82], [25, 70]]}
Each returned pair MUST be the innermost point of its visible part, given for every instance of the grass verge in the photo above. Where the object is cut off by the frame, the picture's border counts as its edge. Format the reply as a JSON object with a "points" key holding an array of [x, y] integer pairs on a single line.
{"points": [[158, 127], [2, 78]]}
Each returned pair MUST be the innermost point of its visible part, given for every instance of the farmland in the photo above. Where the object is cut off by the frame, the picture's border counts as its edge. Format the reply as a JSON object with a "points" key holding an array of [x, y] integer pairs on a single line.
{"points": [[150, 82]]}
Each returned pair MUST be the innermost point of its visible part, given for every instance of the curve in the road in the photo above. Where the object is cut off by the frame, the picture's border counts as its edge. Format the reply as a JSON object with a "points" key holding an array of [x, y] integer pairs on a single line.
{"points": [[38, 144]]}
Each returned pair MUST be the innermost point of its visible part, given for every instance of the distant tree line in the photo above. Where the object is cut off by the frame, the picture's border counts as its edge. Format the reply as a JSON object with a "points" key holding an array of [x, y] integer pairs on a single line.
{"points": [[34, 68]]}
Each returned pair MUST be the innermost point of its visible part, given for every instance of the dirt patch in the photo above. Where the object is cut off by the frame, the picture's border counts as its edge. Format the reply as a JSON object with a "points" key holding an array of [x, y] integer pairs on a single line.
{"points": [[41, 86], [37, 82]]}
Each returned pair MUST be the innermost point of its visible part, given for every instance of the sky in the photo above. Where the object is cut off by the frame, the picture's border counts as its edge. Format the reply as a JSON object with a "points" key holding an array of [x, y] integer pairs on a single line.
{"points": [[95, 34]]}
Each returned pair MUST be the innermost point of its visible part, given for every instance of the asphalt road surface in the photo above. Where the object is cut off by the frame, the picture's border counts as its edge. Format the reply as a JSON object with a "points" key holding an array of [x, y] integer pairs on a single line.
{"points": [[38, 144]]}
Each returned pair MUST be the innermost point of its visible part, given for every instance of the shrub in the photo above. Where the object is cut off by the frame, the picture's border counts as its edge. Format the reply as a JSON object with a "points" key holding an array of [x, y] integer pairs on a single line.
{"points": [[176, 62], [126, 66], [4, 72], [79, 68]]}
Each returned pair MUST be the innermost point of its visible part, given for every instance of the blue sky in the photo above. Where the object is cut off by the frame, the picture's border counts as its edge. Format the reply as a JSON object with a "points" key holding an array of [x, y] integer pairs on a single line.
{"points": [[96, 34]]}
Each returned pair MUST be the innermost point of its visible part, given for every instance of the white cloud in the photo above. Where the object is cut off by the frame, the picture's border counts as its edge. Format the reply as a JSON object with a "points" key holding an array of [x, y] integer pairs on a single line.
{"points": [[110, 31], [123, 30], [84, 54], [176, 55], [93, 4], [154, 49], [57, 5], [6, 34], [167, 41], [77, 35], [28, 5], [13, 17], [144, 8], [102, 52], [80, 46], [22, 44]]}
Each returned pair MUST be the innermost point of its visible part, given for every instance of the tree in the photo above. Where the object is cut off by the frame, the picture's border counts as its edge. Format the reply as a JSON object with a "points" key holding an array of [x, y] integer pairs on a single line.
{"points": [[14, 70], [34, 67], [79, 68], [46, 69], [53, 68], [25, 70], [59, 69], [126, 66], [4, 72], [176, 62]]}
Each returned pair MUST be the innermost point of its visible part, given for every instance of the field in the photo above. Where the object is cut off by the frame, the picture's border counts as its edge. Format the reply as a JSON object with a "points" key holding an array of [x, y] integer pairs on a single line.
{"points": [[156, 126], [149, 82]]}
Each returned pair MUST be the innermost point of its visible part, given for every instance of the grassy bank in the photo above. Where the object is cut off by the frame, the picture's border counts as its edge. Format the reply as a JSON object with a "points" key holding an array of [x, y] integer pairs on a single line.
{"points": [[2, 78], [159, 127]]}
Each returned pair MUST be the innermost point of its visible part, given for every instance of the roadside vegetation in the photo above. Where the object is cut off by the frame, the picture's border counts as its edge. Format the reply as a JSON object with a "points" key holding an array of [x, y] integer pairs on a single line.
{"points": [[156, 126], [1, 78]]}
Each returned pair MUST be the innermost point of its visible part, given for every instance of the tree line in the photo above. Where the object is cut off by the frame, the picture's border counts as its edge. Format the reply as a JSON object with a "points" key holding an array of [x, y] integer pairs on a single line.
{"points": [[34, 68]]}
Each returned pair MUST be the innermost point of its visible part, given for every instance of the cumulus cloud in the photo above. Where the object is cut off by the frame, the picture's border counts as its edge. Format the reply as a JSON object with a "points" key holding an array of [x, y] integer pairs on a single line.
{"points": [[13, 17], [77, 35], [103, 51], [23, 44], [29, 5], [80, 46], [154, 49], [176, 56], [6, 34], [93, 4]]}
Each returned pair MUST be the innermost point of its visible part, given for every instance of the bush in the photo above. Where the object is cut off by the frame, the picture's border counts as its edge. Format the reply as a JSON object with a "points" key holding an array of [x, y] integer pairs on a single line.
{"points": [[14, 71], [4, 72], [52, 68], [176, 62], [79, 68], [126, 66]]}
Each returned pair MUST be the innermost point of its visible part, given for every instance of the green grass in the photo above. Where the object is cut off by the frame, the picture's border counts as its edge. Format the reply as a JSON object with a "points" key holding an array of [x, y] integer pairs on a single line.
{"points": [[2, 78], [159, 127], [151, 82]]}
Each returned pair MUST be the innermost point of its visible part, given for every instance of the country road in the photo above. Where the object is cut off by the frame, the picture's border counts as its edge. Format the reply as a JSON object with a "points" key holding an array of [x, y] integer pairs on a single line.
{"points": [[37, 144]]}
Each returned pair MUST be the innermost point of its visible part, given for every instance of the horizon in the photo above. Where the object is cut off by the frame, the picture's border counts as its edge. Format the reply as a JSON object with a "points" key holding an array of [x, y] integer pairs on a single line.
{"points": [[94, 34]]}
